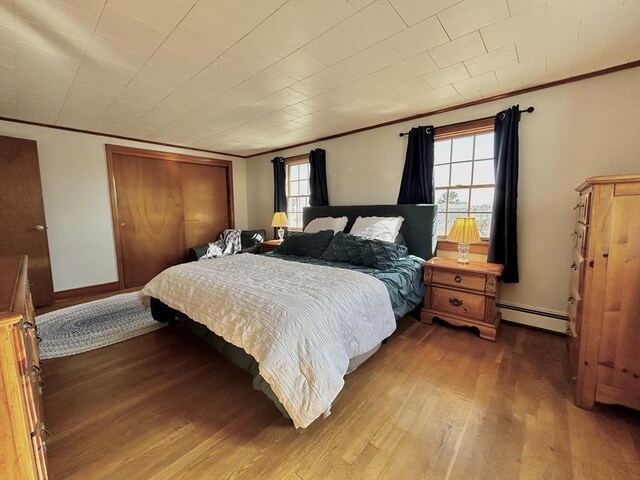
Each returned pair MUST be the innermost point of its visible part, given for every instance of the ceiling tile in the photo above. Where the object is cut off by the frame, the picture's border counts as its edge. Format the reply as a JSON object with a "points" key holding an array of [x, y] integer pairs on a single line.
{"points": [[251, 55], [194, 43], [471, 15], [331, 47], [51, 41], [414, 11], [280, 35], [492, 61], [530, 24], [116, 51], [372, 24], [473, 85], [219, 76], [419, 38], [52, 61], [162, 15], [414, 67], [519, 73], [375, 58], [447, 75], [458, 50], [57, 17], [408, 88], [360, 4], [299, 109], [103, 74], [334, 76], [120, 26], [90, 7], [317, 17], [299, 65]]}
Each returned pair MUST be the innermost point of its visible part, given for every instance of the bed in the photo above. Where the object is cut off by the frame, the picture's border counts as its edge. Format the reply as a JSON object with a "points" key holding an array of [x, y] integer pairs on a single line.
{"points": [[299, 324]]}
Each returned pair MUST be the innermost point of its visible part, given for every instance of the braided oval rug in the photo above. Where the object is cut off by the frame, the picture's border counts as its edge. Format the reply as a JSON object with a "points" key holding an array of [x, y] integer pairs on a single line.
{"points": [[92, 325]]}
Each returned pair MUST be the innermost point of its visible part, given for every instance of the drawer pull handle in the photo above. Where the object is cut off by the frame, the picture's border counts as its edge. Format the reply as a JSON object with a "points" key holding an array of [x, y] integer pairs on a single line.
{"points": [[571, 299], [36, 368], [574, 266], [455, 302], [577, 206], [457, 278]]}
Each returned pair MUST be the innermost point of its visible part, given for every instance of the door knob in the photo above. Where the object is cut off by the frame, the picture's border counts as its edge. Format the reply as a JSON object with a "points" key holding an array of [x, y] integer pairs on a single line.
{"points": [[123, 224], [39, 227]]}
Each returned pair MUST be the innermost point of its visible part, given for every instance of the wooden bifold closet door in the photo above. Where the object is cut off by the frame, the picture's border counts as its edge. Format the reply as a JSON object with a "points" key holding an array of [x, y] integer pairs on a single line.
{"points": [[163, 204]]}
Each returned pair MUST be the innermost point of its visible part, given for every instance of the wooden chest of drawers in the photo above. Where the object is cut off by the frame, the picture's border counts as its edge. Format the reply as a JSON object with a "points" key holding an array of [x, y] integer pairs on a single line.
{"points": [[22, 439], [603, 299], [463, 295]]}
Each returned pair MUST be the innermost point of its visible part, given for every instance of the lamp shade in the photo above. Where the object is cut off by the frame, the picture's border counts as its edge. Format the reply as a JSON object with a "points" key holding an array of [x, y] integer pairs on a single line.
{"points": [[464, 230], [279, 220]]}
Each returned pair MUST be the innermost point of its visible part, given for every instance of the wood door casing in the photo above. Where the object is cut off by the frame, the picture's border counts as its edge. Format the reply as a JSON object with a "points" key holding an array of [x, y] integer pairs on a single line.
{"points": [[206, 204], [149, 196], [23, 227], [201, 196]]}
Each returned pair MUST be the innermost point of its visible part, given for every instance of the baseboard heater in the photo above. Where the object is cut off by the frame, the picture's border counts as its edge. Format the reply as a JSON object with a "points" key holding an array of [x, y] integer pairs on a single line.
{"points": [[553, 321]]}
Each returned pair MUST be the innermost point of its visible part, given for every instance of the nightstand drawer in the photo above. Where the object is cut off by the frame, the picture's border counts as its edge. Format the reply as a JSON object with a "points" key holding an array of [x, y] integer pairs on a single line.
{"points": [[469, 281], [458, 303]]}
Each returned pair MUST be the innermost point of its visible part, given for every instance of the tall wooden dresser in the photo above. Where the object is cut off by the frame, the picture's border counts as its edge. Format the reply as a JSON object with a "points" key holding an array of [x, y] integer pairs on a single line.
{"points": [[22, 441], [604, 294]]}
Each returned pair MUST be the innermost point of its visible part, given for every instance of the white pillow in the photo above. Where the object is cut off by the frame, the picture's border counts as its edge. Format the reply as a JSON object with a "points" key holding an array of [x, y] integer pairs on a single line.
{"points": [[336, 224], [379, 228]]}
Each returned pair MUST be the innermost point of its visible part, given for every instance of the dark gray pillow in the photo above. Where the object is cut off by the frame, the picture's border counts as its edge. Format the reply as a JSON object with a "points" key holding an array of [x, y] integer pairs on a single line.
{"points": [[306, 244], [367, 252]]}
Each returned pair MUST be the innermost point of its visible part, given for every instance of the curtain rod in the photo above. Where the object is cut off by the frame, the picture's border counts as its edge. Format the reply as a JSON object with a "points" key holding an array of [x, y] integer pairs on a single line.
{"points": [[527, 110]]}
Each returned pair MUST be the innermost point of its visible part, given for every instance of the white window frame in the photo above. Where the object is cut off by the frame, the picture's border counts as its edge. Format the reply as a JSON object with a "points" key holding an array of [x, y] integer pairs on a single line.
{"points": [[289, 162]]}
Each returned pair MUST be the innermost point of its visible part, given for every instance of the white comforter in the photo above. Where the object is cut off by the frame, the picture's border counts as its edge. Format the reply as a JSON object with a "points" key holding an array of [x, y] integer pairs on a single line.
{"points": [[302, 323]]}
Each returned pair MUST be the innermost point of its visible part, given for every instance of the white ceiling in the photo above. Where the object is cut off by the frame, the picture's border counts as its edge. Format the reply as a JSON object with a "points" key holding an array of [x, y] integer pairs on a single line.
{"points": [[247, 76]]}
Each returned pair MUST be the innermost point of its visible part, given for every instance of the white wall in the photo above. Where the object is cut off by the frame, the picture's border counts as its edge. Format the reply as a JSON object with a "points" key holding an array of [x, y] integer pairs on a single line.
{"points": [[582, 129], [77, 205]]}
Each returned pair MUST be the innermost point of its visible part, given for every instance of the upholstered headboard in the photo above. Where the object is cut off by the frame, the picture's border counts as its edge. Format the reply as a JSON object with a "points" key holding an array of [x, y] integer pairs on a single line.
{"points": [[418, 229]]}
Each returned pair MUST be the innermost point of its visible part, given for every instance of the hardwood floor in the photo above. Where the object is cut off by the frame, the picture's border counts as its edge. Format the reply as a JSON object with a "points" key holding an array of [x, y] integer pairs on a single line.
{"points": [[433, 403]]}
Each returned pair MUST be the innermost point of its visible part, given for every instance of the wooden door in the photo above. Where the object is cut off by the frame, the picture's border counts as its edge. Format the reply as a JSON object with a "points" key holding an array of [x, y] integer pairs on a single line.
{"points": [[23, 228], [206, 202], [148, 194]]}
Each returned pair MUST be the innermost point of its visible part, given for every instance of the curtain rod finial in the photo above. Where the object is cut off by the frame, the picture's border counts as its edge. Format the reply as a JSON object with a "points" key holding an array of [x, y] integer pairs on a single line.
{"points": [[530, 109]]}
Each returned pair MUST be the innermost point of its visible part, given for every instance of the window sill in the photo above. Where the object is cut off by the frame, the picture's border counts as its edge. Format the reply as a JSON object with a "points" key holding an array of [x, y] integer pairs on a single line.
{"points": [[479, 248]]}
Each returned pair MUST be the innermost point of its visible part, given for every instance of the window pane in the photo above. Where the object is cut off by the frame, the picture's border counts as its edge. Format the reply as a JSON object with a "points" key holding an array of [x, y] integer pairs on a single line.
{"points": [[293, 172], [297, 220], [305, 202], [442, 223], [294, 188], [442, 150], [483, 173], [484, 146], [303, 171], [304, 187], [484, 223], [459, 200], [462, 149], [461, 173], [441, 175], [481, 199], [441, 199]]}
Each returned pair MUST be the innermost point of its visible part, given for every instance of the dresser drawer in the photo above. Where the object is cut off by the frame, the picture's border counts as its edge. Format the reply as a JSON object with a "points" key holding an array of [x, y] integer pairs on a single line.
{"points": [[468, 281], [583, 207], [580, 237], [458, 303]]}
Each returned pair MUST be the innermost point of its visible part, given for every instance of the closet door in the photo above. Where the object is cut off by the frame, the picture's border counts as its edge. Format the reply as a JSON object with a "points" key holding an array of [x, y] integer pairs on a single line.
{"points": [[148, 194], [206, 202], [23, 228]]}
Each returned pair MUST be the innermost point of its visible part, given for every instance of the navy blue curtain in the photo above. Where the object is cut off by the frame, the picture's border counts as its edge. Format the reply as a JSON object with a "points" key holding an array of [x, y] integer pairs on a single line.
{"points": [[417, 177], [503, 242], [318, 178], [279, 188]]}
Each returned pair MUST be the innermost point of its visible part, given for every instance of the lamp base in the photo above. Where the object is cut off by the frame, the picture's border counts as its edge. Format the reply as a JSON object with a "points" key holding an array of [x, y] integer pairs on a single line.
{"points": [[281, 234], [463, 253]]}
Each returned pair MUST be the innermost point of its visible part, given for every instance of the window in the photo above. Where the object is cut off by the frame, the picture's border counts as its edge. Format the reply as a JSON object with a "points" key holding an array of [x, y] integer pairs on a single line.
{"points": [[463, 176], [297, 189]]}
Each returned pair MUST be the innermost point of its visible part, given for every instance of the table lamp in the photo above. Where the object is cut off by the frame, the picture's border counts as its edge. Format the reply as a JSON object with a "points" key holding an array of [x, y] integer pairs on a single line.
{"points": [[280, 220], [464, 231]]}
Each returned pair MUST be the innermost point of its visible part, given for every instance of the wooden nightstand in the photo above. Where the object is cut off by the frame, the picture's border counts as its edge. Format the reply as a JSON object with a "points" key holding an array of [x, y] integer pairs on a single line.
{"points": [[269, 245], [462, 294]]}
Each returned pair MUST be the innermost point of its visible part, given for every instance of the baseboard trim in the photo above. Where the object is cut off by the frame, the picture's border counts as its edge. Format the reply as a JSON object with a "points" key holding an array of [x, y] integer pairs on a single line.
{"points": [[86, 291], [541, 319]]}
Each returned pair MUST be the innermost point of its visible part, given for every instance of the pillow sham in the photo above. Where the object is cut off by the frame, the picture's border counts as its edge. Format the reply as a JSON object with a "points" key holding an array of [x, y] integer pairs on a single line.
{"points": [[306, 244], [362, 251], [336, 224], [379, 228]]}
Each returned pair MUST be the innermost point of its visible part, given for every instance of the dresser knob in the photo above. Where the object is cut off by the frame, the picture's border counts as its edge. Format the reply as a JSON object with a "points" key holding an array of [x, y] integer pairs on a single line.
{"points": [[457, 278], [455, 302]]}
